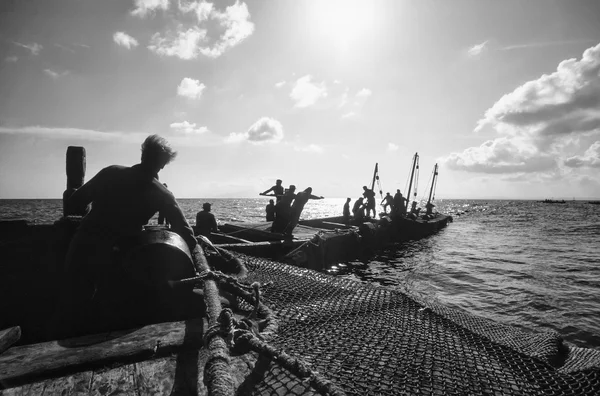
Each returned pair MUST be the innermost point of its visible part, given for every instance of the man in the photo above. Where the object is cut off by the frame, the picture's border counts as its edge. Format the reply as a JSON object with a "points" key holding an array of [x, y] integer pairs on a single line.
{"points": [[297, 207], [123, 199], [205, 221], [429, 208], [346, 212], [388, 200], [358, 210], [283, 210], [277, 190], [370, 197], [270, 210], [399, 203]]}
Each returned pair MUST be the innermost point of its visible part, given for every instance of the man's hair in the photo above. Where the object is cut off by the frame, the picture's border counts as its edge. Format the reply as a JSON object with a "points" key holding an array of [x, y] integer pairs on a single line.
{"points": [[156, 151]]}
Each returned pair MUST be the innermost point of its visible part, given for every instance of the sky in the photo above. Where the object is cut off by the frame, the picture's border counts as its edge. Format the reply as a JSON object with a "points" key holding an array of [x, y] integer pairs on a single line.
{"points": [[503, 95]]}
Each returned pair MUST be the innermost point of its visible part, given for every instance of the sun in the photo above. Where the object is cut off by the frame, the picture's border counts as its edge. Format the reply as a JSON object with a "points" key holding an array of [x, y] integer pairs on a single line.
{"points": [[342, 23]]}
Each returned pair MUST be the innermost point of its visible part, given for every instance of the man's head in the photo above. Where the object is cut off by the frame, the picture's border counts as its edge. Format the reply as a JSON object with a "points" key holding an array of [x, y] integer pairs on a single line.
{"points": [[206, 206], [348, 199], [156, 153], [271, 201], [278, 182], [292, 188], [365, 188], [308, 190]]}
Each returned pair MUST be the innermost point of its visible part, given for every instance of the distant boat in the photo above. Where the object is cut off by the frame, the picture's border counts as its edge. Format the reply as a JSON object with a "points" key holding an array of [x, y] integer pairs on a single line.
{"points": [[553, 201]]}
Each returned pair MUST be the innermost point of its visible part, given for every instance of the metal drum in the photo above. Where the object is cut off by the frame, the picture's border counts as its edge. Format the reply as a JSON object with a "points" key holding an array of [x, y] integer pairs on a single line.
{"points": [[157, 257]]}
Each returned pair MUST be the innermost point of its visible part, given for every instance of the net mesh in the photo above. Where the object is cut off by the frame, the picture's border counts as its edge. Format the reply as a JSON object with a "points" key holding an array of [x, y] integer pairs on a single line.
{"points": [[370, 340]]}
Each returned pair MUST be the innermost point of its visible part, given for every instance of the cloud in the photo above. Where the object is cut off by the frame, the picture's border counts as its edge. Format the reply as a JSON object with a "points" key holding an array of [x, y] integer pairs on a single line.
{"points": [[228, 28], [190, 88], [189, 128], [364, 93], [538, 121], [544, 44], [477, 49], [145, 7], [182, 43], [392, 147], [305, 93], [265, 130], [348, 115], [11, 59], [124, 40], [35, 48], [280, 84], [235, 20], [72, 133], [591, 158], [55, 75]]}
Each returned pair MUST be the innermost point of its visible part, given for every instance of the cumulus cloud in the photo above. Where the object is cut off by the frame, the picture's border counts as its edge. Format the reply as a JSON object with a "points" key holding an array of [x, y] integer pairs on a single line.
{"points": [[591, 158], [364, 93], [311, 148], [228, 28], [348, 115], [280, 84], [392, 147], [190, 88], [477, 49], [306, 93], [55, 75], [187, 127], [181, 43], [538, 120], [265, 130], [124, 40], [145, 7], [34, 48]]}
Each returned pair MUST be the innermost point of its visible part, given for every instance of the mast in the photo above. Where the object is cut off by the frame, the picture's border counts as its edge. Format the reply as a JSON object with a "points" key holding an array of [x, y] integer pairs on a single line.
{"points": [[412, 175], [433, 181], [374, 176]]}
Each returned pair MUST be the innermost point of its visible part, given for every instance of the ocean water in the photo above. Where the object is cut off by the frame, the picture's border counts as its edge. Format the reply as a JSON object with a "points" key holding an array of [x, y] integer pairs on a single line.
{"points": [[524, 263]]}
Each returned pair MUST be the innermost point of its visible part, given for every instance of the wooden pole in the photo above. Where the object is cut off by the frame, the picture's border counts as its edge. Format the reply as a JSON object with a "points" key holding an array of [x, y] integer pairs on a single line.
{"points": [[412, 175], [374, 177], [8, 337], [75, 176], [435, 172]]}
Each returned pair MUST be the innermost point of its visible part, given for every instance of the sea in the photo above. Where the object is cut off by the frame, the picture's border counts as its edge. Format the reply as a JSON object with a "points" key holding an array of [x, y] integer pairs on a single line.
{"points": [[529, 264]]}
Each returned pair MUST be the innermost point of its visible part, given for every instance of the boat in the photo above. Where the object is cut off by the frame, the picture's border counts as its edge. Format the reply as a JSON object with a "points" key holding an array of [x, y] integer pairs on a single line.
{"points": [[553, 201], [287, 330]]}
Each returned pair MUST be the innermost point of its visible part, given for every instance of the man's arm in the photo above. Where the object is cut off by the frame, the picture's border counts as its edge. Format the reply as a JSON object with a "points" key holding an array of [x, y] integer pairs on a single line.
{"points": [[268, 191], [178, 222], [84, 195], [315, 197]]}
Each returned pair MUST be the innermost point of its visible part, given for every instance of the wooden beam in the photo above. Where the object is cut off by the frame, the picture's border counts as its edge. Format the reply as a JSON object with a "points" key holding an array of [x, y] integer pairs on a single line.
{"points": [[21, 364], [8, 337]]}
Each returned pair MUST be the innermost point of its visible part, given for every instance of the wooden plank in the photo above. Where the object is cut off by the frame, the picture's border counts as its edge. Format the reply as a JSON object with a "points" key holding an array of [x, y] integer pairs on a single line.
{"points": [[114, 381], [35, 389], [21, 364], [75, 384], [155, 377], [8, 337]]}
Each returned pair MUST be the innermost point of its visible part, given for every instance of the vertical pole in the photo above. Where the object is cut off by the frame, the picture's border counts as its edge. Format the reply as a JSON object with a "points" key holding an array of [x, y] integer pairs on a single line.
{"points": [[435, 172], [75, 176], [412, 175], [374, 177]]}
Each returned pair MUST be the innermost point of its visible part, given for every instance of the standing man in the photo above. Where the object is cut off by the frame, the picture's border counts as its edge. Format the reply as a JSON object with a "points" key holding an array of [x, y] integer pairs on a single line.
{"points": [[370, 197], [123, 199], [270, 210], [399, 203], [346, 212], [283, 210], [206, 221], [277, 190], [301, 199], [388, 200]]}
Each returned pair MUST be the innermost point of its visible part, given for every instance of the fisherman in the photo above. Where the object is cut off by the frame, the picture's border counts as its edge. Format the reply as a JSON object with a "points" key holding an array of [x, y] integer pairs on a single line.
{"points": [[388, 200], [399, 203], [206, 221], [270, 210], [346, 212], [414, 211], [358, 210], [369, 195], [283, 210], [161, 215], [297, 207], [123, 200], [277, 190], [429, 208]]}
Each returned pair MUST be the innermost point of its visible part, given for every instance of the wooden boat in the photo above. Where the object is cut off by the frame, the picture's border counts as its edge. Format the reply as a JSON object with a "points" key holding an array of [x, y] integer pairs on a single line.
{"points": [[553, 201]]}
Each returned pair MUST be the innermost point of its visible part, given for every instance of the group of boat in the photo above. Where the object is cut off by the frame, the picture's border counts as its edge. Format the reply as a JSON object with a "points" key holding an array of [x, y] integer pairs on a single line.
{"points": [[319, 242]]}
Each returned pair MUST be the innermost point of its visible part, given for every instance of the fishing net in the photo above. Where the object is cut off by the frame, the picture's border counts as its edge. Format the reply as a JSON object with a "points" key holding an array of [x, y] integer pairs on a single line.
{"points": [[358, 339]]}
